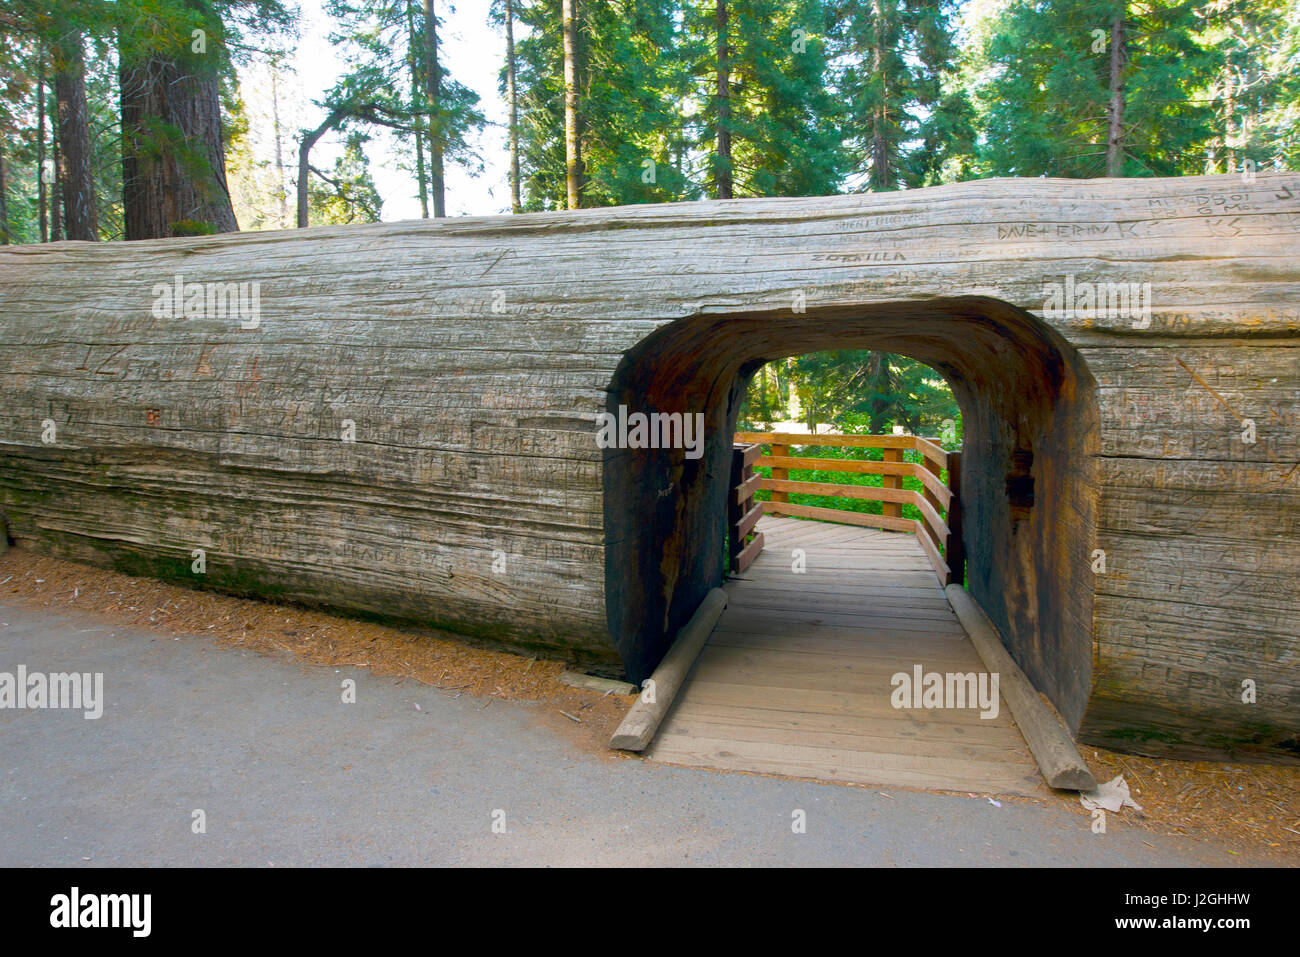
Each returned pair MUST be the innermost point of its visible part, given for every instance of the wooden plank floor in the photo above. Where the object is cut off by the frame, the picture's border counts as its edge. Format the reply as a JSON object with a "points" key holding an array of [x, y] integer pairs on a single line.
{"points": [[795, 678]]}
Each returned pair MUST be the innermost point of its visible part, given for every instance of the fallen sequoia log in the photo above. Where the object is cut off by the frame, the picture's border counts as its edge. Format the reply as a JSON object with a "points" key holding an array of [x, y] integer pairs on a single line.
{"points": [[399, 420]]}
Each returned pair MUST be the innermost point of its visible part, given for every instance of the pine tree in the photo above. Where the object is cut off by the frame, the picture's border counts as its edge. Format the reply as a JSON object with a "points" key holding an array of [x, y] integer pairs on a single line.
{"points": [[20, 60], [57, 34], [346, 194], [904, 124], [503, 13], [768, 126], [573, 172], [76, 173], [396, 78], [631, 79], [1256, 97], [1096, 87], [862, 390]]}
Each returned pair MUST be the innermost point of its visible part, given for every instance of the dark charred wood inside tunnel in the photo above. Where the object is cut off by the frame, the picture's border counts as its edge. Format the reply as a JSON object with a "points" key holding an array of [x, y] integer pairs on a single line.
{"points": [[1029, 480]]}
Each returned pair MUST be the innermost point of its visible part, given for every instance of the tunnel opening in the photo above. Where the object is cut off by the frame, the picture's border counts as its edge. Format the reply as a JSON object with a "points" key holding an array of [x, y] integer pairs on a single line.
{"points": [[1028, 486], [862, 396]]}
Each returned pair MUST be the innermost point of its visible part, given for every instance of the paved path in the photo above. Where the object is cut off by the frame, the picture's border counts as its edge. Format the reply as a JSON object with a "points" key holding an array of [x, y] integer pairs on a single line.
{"points": [[289, 775]]}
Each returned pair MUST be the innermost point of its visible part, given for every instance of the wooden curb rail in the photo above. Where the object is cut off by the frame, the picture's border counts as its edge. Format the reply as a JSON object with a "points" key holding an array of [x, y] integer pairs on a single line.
{"points": [[642, 721], [1051, 744]]}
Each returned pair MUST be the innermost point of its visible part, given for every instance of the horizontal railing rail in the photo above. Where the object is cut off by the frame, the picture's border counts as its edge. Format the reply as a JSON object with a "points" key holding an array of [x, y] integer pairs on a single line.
{"points": [[743, 513], [939, 528]]}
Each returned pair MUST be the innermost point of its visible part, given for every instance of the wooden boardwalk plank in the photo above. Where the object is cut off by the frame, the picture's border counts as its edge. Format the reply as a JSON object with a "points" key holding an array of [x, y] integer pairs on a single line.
{"points": [[802, 621], [699, 713], [880, 740], [796, 677], [858, 767], [889, 647], [871, 659]]}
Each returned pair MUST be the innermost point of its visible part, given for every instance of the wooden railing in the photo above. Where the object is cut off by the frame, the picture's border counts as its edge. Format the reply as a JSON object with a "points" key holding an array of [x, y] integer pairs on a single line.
{"points": [[743, 512], [939, 530]]}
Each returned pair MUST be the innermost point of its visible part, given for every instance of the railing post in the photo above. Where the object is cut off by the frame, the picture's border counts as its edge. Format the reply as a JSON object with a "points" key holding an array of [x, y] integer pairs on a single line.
{"points": [[893, 509], [735, 509], [743, 512], [955, 553], [782, 474], [935, 469]]}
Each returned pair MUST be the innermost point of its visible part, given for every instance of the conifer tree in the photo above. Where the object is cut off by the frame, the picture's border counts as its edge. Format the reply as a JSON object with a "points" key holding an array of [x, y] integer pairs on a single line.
{"points": [[902, 124], [1097, 88], [769, 124]]}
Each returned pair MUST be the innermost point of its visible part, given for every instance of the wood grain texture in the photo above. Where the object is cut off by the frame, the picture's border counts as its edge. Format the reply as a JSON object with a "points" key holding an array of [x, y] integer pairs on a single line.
{"points": [[473, 355], [789, 687], [637, 729], [1058, 759]]}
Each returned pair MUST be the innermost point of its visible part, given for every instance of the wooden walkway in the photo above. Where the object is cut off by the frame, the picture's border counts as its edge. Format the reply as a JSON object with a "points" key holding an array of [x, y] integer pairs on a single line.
{"points": [[795, 679]]}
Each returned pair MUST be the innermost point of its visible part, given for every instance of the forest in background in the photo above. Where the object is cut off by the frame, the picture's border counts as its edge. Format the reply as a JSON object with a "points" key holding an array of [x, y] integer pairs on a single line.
{"points": [[126, 119], [852, 391]]}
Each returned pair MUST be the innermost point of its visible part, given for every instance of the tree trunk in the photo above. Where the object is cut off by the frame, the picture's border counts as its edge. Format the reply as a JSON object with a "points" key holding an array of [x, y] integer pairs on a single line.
{"points": [[42, 204], [4, 200], [724, 184], [56, 212], [413, 58], [1035, 408], [882, 390], [572, 144], [74, 133], [1230, 141], [279, 152], [433, 87], [1115, 109], [881, 177], [375, 113], [304, 162], [171, 117], [512, 99]]}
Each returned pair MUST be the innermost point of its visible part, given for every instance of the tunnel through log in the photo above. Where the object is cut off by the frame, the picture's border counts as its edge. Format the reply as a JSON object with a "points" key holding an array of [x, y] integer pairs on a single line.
{"points": [[1029, 483]]}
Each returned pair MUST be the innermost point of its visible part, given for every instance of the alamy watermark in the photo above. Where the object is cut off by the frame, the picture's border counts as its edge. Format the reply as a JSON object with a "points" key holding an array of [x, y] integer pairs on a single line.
{"points": [[931, 689], [657, 430], [126, 911], [209, 300], [36, 690], [1098, 300]]}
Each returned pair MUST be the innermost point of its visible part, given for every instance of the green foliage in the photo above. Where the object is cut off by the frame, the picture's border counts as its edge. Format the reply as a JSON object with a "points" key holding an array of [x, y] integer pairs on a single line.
{"points": [[346, 194], [783, 117], [388, 68], [647, 96], [906, 120], [190, 227], [633, 78], [1256, 95], [856, 391], [1046, 88]]}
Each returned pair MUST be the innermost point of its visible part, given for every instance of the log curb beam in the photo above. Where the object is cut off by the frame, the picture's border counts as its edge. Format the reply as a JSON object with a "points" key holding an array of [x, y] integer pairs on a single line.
{"points": [[643, 720], [1049, 741], [577, 679]]}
